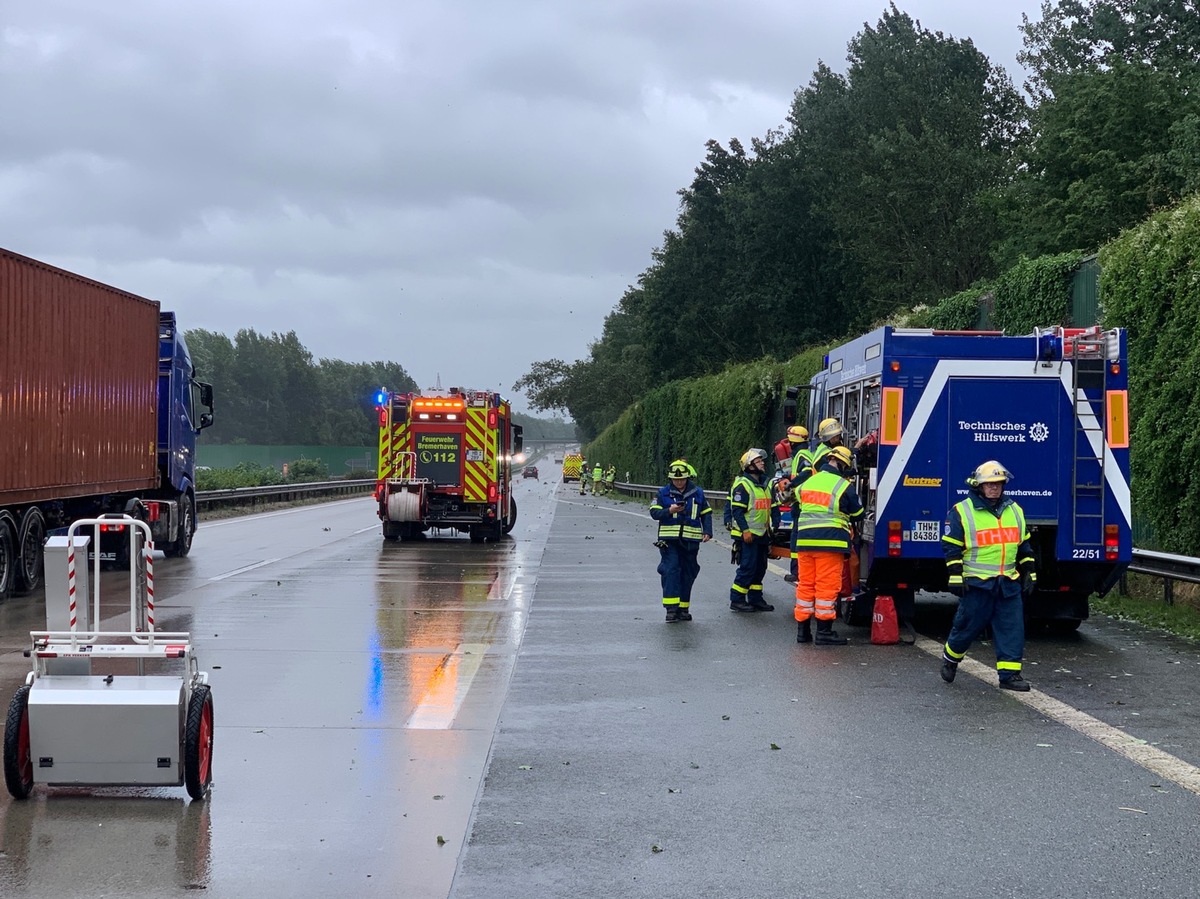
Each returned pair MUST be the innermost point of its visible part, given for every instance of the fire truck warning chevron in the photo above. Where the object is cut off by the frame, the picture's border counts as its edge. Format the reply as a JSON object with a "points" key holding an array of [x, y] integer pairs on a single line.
{"points": [[445, 463]]}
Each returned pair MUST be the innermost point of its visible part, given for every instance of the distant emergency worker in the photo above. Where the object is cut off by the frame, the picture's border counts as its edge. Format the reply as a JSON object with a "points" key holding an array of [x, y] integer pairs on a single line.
{"points": [[610, 478], [829, 433], [753, 516], [801, 461], [684, 522], [990, 567], [828, 506], [583, 477], [597, 479]]}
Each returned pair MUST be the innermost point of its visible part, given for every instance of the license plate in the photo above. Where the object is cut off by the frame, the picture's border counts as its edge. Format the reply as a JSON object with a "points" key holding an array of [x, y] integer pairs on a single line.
{"points": [[926, 531]]}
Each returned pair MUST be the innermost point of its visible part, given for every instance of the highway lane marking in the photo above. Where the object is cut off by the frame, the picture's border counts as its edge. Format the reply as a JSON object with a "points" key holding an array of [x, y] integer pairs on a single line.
{"points": [[1138, 751], [243, 569], [448, 686]]}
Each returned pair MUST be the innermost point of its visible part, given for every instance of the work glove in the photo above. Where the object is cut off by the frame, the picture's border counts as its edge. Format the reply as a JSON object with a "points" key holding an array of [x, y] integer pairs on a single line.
{"points": [[1028, 584], [957, 588], [747, 537]]}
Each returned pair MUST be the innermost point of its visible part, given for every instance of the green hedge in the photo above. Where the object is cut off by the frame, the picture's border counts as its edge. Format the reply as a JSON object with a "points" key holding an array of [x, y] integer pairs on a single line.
{"points": [[1150, 284], [710, 421]]}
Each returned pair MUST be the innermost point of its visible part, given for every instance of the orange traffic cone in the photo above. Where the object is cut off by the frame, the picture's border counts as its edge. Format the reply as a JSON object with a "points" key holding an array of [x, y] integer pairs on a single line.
{"points": [[885, 629]]}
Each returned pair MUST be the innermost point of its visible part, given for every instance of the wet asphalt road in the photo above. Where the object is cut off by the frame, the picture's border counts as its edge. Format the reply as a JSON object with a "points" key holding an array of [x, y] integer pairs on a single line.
{"points": [[363, 689], [356, 686]]}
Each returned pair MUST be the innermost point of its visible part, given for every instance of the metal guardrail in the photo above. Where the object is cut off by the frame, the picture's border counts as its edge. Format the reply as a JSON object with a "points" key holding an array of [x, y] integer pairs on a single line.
{"points": [[278, 493], [1169, 567]]}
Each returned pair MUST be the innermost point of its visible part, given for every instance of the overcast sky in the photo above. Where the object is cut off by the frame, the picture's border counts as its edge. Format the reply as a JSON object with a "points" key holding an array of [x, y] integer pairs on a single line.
{"points": [[461, 186]]}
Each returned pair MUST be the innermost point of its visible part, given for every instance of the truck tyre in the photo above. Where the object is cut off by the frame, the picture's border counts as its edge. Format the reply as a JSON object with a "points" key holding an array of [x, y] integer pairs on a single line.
{"points": [[477, 534], [31, 539], [198, 743], [187, 530], [512, 515], [8, 555], [18, 758]]}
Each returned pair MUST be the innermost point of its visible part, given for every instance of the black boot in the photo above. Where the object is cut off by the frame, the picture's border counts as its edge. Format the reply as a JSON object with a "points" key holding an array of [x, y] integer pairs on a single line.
{"points": [[672, 614], [827, 636], [684, 614], [804, 631], [949, 669]]}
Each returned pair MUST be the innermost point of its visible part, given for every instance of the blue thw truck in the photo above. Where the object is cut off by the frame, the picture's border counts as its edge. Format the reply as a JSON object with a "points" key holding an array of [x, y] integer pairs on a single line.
{"points": [[926, 407]]}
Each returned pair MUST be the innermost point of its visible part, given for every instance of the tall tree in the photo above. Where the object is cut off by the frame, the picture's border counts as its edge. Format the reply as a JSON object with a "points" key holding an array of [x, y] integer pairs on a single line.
{"points": [[906, 152], [1116, 132]]}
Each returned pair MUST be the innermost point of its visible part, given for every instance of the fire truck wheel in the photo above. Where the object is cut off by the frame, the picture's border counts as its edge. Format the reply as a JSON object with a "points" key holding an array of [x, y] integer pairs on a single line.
{"points": [[512, 515], [198, 743], [30, 537], [477, 534], [18, 759]]}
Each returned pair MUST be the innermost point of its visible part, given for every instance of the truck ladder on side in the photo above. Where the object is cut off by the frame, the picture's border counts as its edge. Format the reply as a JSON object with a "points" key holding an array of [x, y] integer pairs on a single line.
{"points": [[1086, 350]]}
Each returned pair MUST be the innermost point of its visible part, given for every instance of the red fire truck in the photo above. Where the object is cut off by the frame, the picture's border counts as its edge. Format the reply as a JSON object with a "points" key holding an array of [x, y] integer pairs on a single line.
{"points": [[445, 462]]}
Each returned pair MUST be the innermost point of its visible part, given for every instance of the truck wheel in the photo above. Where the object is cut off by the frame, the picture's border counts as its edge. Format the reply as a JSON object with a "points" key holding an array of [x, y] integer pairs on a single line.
{"points": [[198, 743], [8, 555], [18, 759], [477, 534], [187, 530], [512, 515], [31, 537]]}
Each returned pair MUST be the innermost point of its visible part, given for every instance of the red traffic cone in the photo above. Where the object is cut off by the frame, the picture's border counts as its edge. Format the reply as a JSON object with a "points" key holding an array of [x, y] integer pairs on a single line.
{"points": [[885, 628]]}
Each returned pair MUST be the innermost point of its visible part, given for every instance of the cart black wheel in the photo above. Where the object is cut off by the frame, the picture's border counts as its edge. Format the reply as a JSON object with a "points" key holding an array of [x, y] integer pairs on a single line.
{"points": [[198, 743], [18, 758]]}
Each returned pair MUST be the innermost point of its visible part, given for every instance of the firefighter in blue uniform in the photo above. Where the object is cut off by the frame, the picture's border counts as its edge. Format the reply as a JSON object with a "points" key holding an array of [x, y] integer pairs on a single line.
{"points": [[989, 561], [753, 516], [684, 522]]}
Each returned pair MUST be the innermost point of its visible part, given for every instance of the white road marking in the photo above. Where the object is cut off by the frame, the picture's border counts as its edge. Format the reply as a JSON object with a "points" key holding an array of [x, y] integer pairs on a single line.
{"points": [[1154, 760], [448, 686], [243, 570]]}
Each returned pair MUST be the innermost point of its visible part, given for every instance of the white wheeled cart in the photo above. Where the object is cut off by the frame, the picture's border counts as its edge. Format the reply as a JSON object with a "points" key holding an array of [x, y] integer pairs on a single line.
{"points": [[89, 714]]}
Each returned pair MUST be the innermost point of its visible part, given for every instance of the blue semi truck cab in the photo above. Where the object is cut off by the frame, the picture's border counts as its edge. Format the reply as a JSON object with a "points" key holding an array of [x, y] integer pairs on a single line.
{"points": [[1052, 407]]}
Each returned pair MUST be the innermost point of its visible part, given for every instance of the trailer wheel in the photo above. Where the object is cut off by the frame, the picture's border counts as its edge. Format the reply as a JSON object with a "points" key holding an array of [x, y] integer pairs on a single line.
{"points": [[855, 611], [8, 555], [512, 515], [18, 759], [31, 537], [187, 530], [198, 743]]}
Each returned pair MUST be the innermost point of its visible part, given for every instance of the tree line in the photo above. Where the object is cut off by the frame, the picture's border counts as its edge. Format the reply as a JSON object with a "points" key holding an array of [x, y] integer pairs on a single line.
{"points": [[918, 174], [271, 391]]}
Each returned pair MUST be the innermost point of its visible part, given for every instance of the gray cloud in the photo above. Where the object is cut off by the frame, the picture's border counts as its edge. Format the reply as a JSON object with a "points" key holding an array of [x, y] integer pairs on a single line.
{"points": [[463, 187]]}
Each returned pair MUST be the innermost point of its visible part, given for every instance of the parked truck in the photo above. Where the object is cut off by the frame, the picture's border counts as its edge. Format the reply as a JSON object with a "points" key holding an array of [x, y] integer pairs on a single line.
{"points": [[930, 406], [99, 412], [445, 462]]}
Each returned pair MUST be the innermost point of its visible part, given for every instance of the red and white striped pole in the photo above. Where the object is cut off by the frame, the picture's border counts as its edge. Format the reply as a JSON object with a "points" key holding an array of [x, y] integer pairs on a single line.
{"points": [[71, 580], [150, 584]]}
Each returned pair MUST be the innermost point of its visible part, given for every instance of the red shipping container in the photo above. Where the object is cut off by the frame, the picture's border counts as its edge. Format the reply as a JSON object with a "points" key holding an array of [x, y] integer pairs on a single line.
{"points": [[78, 385]]}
